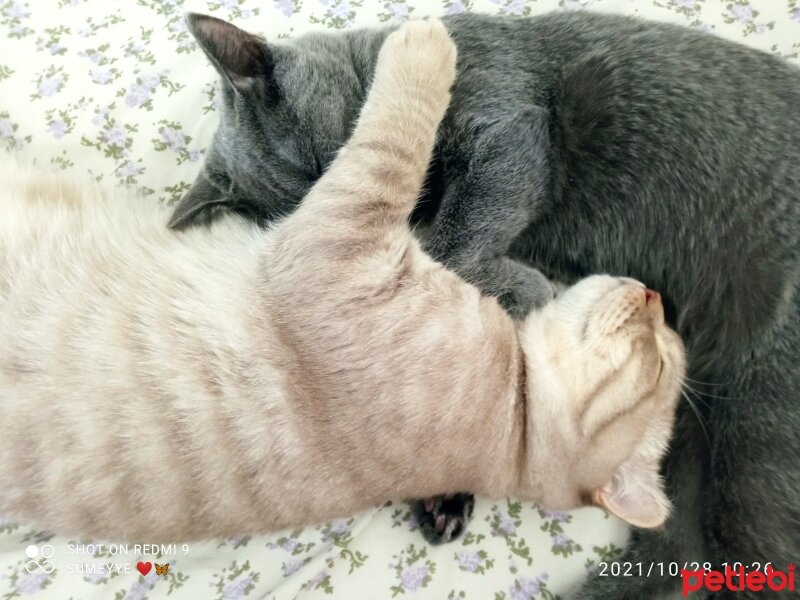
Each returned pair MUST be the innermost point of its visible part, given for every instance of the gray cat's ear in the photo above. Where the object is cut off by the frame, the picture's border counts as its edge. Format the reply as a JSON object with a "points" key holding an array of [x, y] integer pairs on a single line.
{"points": [[199, 206], [239, 56], [635, 495]]}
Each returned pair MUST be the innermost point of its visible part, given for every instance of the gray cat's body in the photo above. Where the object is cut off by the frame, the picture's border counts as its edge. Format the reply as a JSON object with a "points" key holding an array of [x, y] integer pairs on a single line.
{"points": [[583, 143]]}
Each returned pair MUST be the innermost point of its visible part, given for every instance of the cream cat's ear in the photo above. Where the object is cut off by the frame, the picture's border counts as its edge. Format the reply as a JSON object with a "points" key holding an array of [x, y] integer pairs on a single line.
{"points": [[635, 494], [239, 56]]}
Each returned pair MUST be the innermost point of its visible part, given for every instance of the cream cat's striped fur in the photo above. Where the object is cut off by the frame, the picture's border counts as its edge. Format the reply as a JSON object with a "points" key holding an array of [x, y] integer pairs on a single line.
{"points": [[162, 385]]}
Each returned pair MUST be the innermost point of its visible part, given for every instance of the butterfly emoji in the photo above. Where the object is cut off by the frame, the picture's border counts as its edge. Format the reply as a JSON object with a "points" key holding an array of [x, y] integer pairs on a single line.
{"points": [[161, 569]]}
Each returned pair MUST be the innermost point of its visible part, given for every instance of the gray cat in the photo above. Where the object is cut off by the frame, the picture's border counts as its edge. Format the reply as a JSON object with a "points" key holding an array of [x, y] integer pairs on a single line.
{"points": [[580, 143]]}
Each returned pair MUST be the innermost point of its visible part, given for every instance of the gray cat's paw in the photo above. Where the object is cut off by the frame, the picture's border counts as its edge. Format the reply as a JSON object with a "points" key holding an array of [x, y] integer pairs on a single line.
{"points": [[521, 299], [519, 288], [442, 519]]}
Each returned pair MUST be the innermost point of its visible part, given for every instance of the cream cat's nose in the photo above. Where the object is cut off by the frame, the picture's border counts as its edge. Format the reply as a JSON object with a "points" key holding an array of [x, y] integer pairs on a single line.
{"points": [[653, 305]]}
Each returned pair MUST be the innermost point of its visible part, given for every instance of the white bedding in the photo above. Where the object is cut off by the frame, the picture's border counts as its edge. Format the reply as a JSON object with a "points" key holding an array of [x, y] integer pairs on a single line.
{"points": [[118, 87]]}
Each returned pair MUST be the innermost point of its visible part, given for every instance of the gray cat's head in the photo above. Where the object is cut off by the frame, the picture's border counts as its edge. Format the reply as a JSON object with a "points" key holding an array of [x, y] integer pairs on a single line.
{"points": [[285, 111]]}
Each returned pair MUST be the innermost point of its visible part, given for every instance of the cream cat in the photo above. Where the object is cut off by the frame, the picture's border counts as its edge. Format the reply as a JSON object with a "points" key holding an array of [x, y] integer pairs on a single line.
{"points": [[171, 386]]}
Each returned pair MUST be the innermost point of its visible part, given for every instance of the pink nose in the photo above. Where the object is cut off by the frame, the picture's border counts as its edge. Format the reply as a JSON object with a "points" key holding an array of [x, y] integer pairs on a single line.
{"points": [[651, 296]]}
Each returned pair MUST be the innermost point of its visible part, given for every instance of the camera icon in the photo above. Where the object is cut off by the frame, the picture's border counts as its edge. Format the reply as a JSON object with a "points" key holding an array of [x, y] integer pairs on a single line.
{"points": [[40, 559]]}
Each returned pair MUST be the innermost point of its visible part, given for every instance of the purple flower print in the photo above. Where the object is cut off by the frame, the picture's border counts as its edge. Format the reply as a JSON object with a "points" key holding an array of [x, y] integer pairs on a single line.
{"points": [[455, 8], [398, 11], [179, 26], [742, 13], [515, 8], [16, 11], [761, 28], [686, 3], [100, 115], [526, 591], [796, 14], [527, 588], [101, 76], [151, 81], [291, 567], [571, 5], [339, 528], [468, 560], [316, 580], [290, 544], [95, 57], [285, 6], [116, 136], [412, 577], [139, 589], [194, 156], [130, 169], [96, 578], [342, 10], [235, 590], [50, 86], [57, 129], [137, 95], [555, 515], [174, 138], [6, 128], [507, 526], [246, 13], [55, 48], [30, 584]]}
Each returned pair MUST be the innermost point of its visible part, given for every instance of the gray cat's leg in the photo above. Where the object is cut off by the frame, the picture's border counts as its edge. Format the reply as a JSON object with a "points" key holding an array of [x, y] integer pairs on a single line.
{"points": [[483, 210], [755, 470], [442, 519], [487, 206]]}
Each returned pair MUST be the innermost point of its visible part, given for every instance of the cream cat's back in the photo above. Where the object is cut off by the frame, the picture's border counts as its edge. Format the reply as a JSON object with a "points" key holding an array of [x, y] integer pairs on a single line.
{"points": [[75, 251], [120, 340], [208, 378]]}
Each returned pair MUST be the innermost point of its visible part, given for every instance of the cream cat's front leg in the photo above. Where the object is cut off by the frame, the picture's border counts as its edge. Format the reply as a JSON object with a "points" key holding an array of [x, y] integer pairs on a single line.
{"points": [[364, 199]]}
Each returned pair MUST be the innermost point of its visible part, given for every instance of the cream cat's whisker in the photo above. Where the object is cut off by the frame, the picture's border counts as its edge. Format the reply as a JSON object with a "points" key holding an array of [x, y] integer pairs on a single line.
{"points": [[705, 382], [699, 416], [707, 395]]}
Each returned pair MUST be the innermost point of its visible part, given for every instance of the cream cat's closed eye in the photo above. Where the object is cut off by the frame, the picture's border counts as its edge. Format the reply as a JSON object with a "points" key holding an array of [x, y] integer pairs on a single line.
{"points": [[226, 380]]}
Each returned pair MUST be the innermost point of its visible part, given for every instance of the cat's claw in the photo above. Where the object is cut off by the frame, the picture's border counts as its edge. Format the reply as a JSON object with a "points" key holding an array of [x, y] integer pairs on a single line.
{"points": [[442, 519]]}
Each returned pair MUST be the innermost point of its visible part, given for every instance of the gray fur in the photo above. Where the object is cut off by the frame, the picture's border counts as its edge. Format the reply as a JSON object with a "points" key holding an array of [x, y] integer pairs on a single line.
{"points": [[582, 143]]}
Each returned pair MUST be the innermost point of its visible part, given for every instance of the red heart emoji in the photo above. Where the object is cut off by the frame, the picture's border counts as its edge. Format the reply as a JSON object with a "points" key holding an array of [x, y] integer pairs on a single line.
{"points": [[144, 568]]}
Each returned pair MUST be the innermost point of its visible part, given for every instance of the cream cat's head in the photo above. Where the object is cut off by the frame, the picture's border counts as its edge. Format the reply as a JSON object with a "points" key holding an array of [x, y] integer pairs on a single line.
{"points": [[604, 374]]}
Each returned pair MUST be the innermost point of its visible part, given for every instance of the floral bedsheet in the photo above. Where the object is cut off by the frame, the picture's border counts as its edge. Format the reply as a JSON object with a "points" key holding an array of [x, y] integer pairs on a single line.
{"points": [[119, 88]]}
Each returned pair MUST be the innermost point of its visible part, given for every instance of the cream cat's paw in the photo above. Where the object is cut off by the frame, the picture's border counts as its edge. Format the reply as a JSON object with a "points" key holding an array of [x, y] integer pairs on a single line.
{"points": [[421, 50]]}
